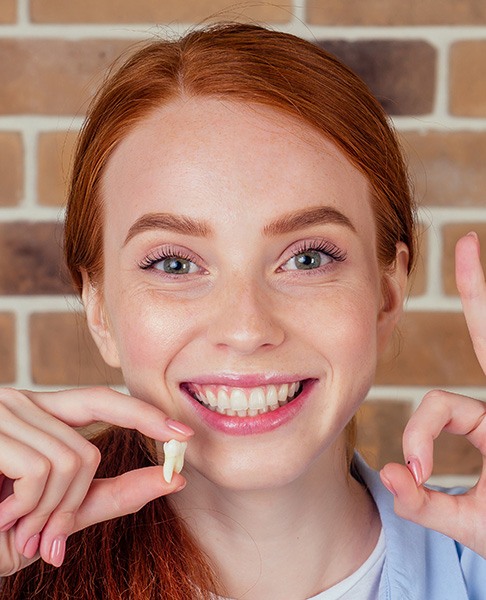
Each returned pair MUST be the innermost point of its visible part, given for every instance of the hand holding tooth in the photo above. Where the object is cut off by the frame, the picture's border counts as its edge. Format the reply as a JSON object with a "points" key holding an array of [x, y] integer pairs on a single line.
{"points": [[173, 458]]}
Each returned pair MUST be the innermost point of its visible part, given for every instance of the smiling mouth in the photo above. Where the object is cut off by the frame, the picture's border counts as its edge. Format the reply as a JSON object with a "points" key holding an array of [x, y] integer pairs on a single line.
{"points": [[244, 401]]}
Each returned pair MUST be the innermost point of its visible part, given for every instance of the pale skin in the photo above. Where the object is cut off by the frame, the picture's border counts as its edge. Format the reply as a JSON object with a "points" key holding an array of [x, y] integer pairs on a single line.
{"points": [[266, 507]]}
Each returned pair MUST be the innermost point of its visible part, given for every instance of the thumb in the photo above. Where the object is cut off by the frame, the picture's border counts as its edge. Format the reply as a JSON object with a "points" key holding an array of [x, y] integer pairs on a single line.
{"points": [[426, 507], [125, 494]]}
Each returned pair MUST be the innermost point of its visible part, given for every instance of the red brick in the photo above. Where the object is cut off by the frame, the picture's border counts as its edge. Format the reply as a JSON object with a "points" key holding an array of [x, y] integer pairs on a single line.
{"points": [[55, 155], [46, 76], [396, 12], [417, 284], [401, 73], [8, 11], [468, 78], [433, 350], [11, 168], [447, 167], [150, 11], [451, 233], [63, 352], [380, 427], [7, 348], [454, 455], [30, 259]]}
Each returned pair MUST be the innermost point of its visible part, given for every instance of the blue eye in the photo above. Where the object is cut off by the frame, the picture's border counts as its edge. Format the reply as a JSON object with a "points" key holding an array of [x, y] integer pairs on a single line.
{"points": [[175, 265], [304, 261], [310, 256], [170, 261]]}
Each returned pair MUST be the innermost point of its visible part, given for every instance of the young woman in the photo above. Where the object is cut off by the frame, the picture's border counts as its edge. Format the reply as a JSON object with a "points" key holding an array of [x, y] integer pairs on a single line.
{"points": [[240, 229]]}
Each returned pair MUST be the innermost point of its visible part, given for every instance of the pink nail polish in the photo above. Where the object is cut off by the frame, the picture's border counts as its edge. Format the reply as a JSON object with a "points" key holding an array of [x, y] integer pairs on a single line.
{"points": [[415, 468], [58, 550], [179, 427], [31, 547], [388, 485]]}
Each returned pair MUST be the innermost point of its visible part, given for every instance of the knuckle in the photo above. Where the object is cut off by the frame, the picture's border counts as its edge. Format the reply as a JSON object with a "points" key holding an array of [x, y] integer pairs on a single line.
{"points": [[10, 397], [68, 463], [433, 396], [91, 455], [39, 467]]}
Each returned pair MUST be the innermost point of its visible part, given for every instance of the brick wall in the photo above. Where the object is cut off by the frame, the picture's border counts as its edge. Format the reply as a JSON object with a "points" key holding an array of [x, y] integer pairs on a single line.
{"points": [[426, 62]]}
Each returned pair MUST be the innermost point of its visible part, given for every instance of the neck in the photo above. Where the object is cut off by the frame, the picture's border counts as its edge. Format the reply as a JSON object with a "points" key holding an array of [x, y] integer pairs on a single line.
{"points": [[294, 541]]}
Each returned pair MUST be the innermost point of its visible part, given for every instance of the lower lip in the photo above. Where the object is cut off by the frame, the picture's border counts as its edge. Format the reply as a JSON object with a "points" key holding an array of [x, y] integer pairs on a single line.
{"points": [[252, 425]]}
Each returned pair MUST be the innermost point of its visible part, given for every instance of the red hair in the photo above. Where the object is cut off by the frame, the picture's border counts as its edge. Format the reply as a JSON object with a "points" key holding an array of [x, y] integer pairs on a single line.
{"points": [[151, 554]]}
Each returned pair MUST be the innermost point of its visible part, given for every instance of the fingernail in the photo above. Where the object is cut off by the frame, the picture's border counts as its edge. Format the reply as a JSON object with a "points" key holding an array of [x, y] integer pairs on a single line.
{"points": [[31, 546], [8, 525], [388, 485], [179, 427], [58, 550], [473, 234], [414, 467]]}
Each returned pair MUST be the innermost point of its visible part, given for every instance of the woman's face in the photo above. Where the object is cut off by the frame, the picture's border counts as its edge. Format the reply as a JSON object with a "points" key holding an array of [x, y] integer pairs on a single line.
{"points": [[241, 293]]}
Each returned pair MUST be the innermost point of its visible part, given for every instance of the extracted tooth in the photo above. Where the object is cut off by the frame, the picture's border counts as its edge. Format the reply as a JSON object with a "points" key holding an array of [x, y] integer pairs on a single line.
{"points": [[173, 458]]}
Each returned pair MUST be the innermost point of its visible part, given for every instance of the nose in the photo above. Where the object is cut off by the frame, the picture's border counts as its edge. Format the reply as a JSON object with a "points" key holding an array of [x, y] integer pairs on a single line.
{"points": [[243, 318]]}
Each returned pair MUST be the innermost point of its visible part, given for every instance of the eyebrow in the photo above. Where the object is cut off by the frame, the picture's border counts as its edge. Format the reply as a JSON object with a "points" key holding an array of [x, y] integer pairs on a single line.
{"points": [[177, 223], [288, 223], [307, 217]]}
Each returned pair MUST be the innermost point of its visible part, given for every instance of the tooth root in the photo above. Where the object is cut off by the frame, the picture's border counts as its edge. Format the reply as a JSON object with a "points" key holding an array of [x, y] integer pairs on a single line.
{"points": [[173, 458], [168, 469], [179, 461]]}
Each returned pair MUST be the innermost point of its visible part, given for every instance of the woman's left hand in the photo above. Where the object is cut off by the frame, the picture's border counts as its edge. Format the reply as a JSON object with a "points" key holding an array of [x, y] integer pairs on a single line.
{"points": [[460, 517]]}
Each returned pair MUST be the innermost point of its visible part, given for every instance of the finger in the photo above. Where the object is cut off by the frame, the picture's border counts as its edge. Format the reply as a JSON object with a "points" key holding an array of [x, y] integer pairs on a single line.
{"points": [[72, 465], [69, 482], [442, 411], [82, 407], [29, 471], [125, 494], [472, 289], [452, 515]]}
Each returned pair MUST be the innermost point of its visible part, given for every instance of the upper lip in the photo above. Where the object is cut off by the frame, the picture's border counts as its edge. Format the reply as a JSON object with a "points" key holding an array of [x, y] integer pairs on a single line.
{"points": [[245, 380]]}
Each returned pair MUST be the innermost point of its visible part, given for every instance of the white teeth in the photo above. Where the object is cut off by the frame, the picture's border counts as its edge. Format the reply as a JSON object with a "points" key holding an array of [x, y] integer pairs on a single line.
{"points": [[238, 400], [211, 398], [223, 400], [257, 399], [272, 396], [283, 393], [245, 402], [173, 458]]}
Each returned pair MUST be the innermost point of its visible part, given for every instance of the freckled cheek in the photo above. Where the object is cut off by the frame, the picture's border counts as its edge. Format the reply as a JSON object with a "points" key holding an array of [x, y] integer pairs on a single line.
{"points": [[150, 336]]}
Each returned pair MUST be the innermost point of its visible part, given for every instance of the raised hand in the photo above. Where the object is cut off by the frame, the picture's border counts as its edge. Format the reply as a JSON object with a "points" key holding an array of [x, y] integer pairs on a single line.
{"points": [[47, 490], [460, 517]]}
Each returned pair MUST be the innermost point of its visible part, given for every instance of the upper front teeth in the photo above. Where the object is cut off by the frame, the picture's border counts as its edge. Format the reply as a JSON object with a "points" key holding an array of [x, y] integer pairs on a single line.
{"points": [[173, 458], [245, 401]]}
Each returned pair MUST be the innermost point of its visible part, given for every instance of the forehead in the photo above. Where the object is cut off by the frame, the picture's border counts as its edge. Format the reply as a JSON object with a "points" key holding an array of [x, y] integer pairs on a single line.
{"points": [[207, 156]]}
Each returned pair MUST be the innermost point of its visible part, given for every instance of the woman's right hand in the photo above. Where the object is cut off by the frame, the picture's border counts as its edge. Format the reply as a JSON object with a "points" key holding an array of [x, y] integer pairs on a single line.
{"points": [[47, 468]]}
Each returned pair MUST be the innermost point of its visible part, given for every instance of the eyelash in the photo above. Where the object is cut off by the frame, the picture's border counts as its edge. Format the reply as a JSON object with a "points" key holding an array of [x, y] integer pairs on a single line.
{"points": [[317, 246], [162, 254], [320, 246]]}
